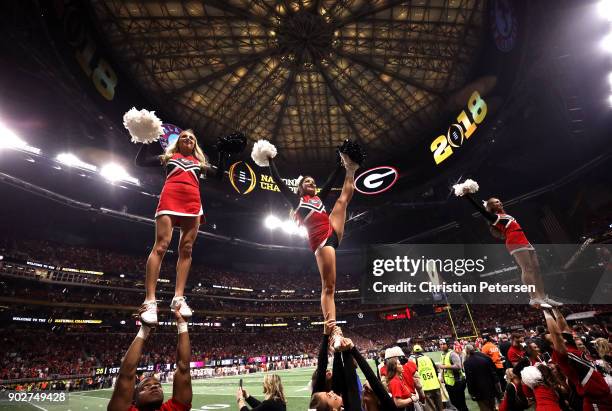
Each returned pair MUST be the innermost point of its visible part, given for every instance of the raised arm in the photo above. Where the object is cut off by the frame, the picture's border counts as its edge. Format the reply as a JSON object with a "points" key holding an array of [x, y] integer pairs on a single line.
{"points": [[351, 393], [319, 382], [181, 386], [339, 380], [326, 189], [289, 195], [555, 333], [386, 402], [148, 155], [123, 393], [485, 213], [217, 170]]}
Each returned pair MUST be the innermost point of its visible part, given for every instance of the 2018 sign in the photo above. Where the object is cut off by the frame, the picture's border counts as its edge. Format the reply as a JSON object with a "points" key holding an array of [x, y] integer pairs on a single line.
{"points": [[442, 146]]}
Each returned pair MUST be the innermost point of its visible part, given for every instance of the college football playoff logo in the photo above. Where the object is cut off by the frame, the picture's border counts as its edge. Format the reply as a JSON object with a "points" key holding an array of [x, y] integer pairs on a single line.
{"points": [[376, 180], [242, 177]]}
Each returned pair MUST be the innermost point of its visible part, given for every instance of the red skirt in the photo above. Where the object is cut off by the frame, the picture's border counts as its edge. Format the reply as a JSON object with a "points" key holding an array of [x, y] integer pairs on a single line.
{"points": [[179, 199], [517, 241]]}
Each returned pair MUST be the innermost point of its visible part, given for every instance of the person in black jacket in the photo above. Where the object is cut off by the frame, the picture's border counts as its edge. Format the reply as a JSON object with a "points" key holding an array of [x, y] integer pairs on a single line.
{"points": [[481, 377], [345, 392], [273, 392]]}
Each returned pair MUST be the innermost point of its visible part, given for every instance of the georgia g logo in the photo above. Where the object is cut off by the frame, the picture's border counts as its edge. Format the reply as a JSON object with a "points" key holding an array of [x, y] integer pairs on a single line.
{"points": [[376, 180]]}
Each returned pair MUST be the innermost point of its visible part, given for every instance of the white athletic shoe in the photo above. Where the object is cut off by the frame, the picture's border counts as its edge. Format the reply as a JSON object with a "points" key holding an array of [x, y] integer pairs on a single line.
{"points": [[541, 302], [349, 164], [185, 311], [149, 317], [552, 302]]}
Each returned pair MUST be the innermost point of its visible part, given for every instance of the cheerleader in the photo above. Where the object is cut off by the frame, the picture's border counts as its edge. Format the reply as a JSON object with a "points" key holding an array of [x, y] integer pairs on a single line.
{"points": [[179, 202], [325, 230], [505, 227]]}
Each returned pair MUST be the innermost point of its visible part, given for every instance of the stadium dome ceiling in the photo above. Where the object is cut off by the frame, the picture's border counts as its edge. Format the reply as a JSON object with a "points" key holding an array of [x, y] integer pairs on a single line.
{"points": [[304, 74]]}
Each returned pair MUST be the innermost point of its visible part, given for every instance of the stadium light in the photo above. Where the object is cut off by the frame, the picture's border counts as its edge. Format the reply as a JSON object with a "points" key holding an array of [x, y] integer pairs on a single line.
{"points": [[610, 100], [272, 222], [605, 9], [10, 140], [606, 43], [114, 172], [71, 160], [289, 227]]}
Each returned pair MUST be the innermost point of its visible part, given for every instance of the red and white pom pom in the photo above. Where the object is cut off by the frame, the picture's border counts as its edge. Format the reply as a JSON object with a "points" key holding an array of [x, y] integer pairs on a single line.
{"points": [[262, 150], [144, 126], [468, 186], [531, 376]]}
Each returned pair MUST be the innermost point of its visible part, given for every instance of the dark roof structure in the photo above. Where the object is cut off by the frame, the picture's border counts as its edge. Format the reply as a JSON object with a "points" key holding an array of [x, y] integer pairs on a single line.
{"points": [[303, 74]]}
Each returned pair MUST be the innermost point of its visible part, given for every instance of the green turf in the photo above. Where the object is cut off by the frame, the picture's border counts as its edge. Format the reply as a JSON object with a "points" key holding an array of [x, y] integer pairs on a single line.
{"points": [[208, 394]]}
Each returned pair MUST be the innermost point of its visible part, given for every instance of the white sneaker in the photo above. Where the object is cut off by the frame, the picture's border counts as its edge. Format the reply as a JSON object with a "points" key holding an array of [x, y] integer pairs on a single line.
{"points": [[185, 311], [539, 302], [348, 164], [552, 302], [149, 317]]}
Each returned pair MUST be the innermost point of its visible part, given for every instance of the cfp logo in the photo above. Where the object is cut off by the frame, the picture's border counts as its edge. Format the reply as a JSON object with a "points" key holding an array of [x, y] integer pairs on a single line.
{"points": [[442, 147], [241, 174], [376, 180], [171, 133]]}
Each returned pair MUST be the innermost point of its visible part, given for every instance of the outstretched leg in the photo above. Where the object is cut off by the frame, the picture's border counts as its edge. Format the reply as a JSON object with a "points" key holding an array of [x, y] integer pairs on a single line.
{"points": [[337, 217]]}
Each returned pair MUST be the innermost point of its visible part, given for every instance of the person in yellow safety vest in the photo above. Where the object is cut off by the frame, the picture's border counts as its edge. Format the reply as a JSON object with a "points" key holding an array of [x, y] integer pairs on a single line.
{"points": [[454, 377], [429, 379]]}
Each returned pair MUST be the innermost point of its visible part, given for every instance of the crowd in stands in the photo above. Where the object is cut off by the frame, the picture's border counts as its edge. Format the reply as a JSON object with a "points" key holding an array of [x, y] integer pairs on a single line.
{"points": [[132, 267]]}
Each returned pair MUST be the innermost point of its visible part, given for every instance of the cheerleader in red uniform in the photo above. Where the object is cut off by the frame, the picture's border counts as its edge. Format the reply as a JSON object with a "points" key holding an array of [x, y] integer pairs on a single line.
{"points": [[179, 205], [324, 230], [179, 202], [505, 227]]}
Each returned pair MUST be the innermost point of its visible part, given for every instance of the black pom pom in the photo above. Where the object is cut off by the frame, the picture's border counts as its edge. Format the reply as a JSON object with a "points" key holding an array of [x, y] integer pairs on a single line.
{"points": [[234, 143], [353, 150]]}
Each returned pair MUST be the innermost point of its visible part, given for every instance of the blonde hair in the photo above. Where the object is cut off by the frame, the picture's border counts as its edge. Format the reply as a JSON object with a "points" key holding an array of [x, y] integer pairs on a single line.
{"points": [[603, 347], [173, 148], [273, 388]]}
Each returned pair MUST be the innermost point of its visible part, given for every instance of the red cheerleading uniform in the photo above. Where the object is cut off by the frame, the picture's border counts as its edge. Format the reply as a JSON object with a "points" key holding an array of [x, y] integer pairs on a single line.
{"points": [[311, 214], [513, 233], [516, 240], [181, 193], [585, 378], [309, 211], [546, 399]]}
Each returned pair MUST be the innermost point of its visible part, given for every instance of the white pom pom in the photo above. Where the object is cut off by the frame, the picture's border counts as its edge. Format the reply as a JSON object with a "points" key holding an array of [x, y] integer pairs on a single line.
{"points": [[468, 186], [144, 126], [531, 376], [262, 150]]}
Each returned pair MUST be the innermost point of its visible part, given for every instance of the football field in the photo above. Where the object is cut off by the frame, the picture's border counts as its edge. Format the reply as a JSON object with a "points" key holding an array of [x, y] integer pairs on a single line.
{"points": [[208, 394]]}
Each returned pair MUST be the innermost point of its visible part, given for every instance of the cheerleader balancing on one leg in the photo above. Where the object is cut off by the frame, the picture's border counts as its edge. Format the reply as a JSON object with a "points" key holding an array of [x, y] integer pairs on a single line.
{"points": [[505, 227], [179, 202], [325, 230]]}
